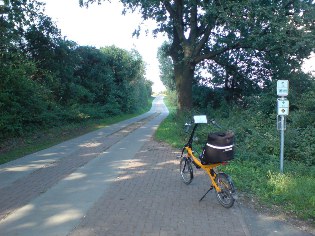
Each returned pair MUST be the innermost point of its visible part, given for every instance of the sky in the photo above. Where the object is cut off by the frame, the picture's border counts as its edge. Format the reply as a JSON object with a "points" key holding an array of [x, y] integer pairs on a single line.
{"points": [[104, 25], [309, 64]]}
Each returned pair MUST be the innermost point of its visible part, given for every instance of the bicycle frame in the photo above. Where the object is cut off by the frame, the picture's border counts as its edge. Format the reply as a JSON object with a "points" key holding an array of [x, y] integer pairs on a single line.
{"points": [[221, 182], [209, 169]]}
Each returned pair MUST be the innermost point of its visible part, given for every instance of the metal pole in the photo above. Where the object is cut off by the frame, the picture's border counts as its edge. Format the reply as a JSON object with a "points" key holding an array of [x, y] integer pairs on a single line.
{"points": [[281, 144]]}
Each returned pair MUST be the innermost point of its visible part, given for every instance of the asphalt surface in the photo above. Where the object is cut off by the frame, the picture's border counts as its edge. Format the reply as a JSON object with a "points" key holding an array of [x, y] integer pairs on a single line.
{"points": [[119, 181]]}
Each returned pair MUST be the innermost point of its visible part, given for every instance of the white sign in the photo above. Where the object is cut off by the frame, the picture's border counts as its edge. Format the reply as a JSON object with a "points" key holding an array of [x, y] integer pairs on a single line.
{"points": [[283, 107], [200, 119], [282, 88]]}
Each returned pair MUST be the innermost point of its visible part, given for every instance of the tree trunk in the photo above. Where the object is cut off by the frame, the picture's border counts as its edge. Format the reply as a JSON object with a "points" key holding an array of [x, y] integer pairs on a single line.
{"points": [[184, 75], [183, 71]]}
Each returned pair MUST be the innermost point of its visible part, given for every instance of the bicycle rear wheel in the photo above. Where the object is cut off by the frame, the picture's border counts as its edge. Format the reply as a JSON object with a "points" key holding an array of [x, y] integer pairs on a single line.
{"points": [[186, 170], [225, 197]]}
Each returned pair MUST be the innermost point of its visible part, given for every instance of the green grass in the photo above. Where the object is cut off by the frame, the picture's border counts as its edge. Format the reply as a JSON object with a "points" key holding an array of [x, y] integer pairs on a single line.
{"points": [[292, 191], [15, 148], [255, 171]]}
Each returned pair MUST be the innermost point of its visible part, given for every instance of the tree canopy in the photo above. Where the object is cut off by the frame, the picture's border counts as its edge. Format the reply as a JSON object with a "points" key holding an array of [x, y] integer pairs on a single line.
{"points": [[240, 38]]}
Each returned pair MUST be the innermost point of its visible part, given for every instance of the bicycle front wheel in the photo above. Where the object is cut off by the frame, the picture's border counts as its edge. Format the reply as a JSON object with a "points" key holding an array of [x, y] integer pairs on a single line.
{"points": [[186, 170], [225, 196]]}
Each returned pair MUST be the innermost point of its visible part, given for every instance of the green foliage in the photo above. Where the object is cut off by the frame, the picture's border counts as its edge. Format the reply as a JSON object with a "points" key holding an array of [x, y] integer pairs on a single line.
{"points": [[22, 101], [166, 67], [243, 44], [48, 81], [166, 132], [171, 101]]}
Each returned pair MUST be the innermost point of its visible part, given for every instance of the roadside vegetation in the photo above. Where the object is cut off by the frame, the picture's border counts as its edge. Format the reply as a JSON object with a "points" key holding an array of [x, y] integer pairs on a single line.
{"points": [[52, 89], [255, 169], [16, 147]]}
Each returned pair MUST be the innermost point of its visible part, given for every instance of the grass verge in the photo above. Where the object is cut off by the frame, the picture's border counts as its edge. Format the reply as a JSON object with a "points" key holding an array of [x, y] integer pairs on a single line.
{"points": [[15, 148]]}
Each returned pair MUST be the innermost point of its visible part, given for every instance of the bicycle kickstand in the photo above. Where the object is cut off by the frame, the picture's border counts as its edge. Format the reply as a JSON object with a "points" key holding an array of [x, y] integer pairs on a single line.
{"points": [[206, 193]]}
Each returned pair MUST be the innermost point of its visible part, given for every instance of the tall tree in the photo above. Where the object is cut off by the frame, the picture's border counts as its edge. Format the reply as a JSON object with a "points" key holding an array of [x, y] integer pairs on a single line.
{"points": [[206, 30], [166, 67]]}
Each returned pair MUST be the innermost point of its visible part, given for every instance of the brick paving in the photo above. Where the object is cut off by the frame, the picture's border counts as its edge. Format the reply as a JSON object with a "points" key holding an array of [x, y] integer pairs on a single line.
{"points": [[149, 198], [25, 189]]}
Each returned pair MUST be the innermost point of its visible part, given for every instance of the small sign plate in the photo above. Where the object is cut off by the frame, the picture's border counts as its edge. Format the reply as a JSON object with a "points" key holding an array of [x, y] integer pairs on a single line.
{"points": [[283, 107], [200, 119], [282, 88], [281, 123]]}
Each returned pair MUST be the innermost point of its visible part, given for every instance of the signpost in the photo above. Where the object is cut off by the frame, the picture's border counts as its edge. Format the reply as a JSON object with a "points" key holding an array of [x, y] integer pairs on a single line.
{"points": [[283, 111], [282, 88]]}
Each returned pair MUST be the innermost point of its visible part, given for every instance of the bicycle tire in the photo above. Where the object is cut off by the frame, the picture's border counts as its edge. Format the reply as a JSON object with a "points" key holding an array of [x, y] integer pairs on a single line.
{"points": [[186, 170], [225, 196]]}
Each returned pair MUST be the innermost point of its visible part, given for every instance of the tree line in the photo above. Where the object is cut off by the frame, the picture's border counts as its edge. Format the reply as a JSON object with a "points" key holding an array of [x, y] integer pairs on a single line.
{"points": [[244, 42], [47, 79]]}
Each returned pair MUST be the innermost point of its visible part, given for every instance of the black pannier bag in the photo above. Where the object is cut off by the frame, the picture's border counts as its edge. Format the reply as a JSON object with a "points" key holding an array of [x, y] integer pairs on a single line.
{"points": [[219, 148]]}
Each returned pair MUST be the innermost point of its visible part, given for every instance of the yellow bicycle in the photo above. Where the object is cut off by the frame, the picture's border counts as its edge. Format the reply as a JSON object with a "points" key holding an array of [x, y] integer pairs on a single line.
{"points": [[218, 150]]}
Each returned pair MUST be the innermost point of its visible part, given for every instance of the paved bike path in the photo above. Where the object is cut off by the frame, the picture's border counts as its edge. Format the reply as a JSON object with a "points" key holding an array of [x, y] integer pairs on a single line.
{"points": [[132, 188], [149, 198], [20, 168], [58, 210]]}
